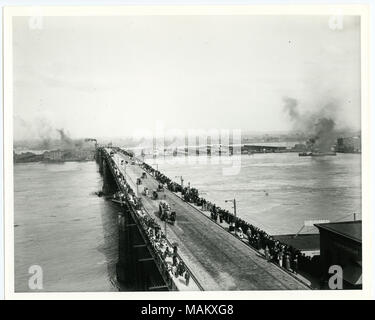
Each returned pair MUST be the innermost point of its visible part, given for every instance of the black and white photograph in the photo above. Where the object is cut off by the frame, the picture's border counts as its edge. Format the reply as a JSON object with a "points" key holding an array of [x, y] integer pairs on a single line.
{"points": [[186, 150]]}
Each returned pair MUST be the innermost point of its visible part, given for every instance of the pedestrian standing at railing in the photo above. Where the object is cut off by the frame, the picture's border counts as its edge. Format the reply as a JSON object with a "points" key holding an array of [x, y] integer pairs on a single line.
{"points": [[174, 270], [267, 253], [175, 250], [287, 261], [259, 242], [221, 217], [157, 232], [249, 235], [280, 258], [240, 233], [180, 268], [166, 252], [275, 254], [174, 260], [213, 211], [203, 205], [226, 215], [295, 263], [187, 277]]}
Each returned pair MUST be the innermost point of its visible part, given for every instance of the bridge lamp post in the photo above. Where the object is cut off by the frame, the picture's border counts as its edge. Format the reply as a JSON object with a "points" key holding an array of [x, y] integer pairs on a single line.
{"points": [[234, 205]]}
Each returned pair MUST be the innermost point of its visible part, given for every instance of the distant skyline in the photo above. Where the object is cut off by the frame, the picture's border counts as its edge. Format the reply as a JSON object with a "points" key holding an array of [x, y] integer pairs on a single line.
{"points": [[111, 76]]}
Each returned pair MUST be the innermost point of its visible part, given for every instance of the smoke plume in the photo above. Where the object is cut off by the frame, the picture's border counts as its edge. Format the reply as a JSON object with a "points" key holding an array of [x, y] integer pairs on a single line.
{"points": [[65, 141], [41, 135], [68, 143], [290, 106], [319, 125]]}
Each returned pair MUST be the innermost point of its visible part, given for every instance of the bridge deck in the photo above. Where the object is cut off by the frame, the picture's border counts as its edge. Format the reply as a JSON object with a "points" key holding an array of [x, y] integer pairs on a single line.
{"points": [[217, 259]]}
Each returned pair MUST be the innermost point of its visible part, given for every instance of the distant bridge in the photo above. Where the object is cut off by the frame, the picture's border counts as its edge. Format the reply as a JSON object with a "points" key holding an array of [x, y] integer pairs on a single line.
{"points": [[213, 149]]}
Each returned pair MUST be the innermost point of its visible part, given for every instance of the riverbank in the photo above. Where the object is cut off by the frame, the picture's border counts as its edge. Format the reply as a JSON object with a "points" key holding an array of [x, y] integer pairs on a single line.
{"points": [[54, 156]]}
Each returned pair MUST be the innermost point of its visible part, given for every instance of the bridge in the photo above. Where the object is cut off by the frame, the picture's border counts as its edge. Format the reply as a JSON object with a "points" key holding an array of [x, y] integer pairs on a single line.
{"points": [[212, 258]]}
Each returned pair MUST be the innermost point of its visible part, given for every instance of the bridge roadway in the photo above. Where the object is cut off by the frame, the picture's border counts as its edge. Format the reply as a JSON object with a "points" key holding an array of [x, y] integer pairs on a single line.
{"points": [[217, 259]]}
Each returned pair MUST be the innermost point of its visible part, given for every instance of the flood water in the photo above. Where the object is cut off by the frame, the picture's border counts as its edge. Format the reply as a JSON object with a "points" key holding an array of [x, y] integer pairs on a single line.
{"points": [[71, 233], [63, 227], [276, 192]]}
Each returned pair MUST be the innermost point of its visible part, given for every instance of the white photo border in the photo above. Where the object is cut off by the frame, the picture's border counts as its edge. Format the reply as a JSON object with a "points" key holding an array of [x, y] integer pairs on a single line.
{"points": [[362, 10]]}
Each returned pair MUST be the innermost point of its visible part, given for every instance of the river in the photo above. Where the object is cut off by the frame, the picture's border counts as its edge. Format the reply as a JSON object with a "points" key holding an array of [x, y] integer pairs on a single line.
{"points": [[62, 226], [277, 192]]}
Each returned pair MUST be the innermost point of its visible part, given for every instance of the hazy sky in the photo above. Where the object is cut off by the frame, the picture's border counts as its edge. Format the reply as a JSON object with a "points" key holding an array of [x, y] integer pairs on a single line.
{"points": [[108, 76]]}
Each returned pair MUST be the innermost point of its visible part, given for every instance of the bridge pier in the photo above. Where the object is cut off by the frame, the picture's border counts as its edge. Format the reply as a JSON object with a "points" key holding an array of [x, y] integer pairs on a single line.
{"points": [[125, 267], [109, 183], [99, 159], [135, 268]]}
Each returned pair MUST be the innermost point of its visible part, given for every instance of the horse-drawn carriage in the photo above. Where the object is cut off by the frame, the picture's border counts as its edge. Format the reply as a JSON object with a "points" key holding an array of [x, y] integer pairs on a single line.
{"points": [[165, 212], [146, 191], [155, 195]]}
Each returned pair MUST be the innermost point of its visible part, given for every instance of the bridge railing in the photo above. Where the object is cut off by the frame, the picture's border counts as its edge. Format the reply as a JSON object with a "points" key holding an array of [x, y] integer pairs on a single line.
{"points": [[160, 262]]}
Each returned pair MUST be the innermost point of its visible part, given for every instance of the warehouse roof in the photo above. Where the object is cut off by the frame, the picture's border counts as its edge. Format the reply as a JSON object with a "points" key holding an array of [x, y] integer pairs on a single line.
{"points": [[348, 229]]}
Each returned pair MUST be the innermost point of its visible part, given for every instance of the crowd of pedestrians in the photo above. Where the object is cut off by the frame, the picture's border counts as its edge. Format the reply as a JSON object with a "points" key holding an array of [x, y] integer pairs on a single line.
{"points": [[167, 253]]}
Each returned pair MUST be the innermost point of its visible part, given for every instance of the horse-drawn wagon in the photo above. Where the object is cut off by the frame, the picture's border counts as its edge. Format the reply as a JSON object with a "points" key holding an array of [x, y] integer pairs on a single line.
{"points": [[166, 213]]}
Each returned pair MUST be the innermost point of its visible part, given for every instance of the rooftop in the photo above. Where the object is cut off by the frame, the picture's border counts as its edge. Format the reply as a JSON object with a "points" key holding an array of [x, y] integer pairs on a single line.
{"points": [[303, 242], [348, 229]]}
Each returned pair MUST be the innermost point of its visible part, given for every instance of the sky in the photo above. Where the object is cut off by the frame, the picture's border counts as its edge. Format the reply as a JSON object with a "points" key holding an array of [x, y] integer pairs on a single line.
{"points": [[113, 76]]}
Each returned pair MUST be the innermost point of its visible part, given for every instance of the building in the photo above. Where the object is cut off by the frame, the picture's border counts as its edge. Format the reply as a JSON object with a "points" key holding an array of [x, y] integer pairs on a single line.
{"points": [[256, 148], [299, 147], [307, 243], [54, 155], [69, 155], [78, 155], [349, 145], [27, 157], [341, 244]]}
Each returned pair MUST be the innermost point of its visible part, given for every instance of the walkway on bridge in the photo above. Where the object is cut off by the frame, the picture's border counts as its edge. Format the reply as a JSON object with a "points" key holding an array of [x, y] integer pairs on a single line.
{"points": [[217, 259]]}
